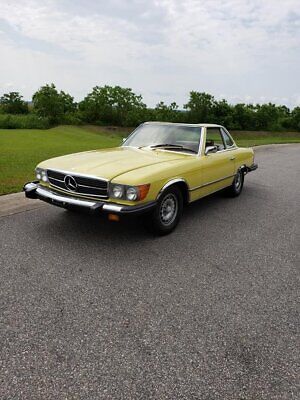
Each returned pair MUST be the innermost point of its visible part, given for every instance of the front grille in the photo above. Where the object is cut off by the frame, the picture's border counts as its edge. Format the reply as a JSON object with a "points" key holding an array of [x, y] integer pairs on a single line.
{"points": [[83, 185]]}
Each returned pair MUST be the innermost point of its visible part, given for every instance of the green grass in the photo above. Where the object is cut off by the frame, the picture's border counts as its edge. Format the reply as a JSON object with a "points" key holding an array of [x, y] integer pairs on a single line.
{"points": [[255, 138], [22, 149]]}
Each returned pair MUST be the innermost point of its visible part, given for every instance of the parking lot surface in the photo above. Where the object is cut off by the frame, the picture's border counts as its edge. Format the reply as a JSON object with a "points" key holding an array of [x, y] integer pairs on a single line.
{"points": [[98, 310]]}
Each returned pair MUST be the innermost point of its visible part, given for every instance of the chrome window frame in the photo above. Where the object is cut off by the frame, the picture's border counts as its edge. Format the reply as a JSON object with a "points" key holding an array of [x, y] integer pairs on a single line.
{"points": [[215, 127], [224, 130]]}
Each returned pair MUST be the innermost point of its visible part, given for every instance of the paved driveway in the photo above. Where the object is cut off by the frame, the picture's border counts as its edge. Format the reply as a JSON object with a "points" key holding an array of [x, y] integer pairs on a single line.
{"points": [[92, 310]]}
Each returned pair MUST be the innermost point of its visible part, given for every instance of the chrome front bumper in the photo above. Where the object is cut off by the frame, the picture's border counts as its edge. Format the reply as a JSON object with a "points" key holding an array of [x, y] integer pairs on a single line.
{"points": [[34, 191]]}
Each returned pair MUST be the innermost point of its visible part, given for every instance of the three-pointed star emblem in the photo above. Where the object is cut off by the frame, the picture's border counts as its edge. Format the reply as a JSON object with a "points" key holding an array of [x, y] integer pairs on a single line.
{"points": [[71, 183]]}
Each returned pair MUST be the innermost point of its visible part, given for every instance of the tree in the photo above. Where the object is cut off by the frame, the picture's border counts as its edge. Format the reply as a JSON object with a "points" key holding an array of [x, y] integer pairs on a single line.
{"points": [[295, 118], [110, 104], [223, 113], [164, 112], [12, 103], [244, 116], [48, 102], [68, 103], [200, 107], [269, 116]]}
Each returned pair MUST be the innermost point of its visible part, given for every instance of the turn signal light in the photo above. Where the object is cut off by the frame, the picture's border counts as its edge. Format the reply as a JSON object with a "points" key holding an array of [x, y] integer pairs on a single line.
{"points": [[143, 191], [113, 217]]}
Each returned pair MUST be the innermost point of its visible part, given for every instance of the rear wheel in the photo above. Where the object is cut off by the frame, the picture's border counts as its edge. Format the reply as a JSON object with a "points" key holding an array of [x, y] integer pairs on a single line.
{"points": [[237, 185], [166, 215]]}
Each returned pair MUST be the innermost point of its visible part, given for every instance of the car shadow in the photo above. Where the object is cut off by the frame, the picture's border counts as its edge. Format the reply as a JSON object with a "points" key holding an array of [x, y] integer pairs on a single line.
{"points": [[76, 223], [97, 229]]}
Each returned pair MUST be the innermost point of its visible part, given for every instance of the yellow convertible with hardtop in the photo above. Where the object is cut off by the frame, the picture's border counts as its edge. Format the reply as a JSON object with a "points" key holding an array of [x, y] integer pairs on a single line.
{"points": [[159, 169]]}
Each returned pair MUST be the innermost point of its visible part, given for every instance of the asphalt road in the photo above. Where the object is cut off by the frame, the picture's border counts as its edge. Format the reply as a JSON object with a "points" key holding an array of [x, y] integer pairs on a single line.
{"points": [[97, 310]]}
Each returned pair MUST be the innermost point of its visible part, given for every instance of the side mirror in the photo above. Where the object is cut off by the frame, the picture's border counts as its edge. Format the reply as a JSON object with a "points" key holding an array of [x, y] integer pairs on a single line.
{"points": [[123, 140], [210, 149]]}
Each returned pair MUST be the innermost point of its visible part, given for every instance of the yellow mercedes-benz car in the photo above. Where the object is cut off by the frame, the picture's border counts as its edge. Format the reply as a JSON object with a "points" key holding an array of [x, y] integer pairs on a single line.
{"points": [[158, 169]]}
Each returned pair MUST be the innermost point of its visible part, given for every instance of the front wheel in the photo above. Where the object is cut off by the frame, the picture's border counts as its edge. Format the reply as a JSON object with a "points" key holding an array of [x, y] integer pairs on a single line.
{"points": [[166, 215], [237, 185]]}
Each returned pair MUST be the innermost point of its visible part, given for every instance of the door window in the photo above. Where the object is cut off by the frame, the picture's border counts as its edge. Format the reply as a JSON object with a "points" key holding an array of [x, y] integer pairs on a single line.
{"points": [[227, 139], [214, 138]]}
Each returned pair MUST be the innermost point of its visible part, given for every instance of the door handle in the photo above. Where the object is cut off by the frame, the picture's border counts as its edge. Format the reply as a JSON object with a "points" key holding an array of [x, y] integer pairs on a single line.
{"points": [[232, 158]]}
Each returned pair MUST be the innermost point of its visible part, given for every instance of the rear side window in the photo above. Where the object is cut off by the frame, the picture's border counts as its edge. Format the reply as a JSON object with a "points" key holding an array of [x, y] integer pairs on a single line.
{"points": [[227, 139], [214, 138]]}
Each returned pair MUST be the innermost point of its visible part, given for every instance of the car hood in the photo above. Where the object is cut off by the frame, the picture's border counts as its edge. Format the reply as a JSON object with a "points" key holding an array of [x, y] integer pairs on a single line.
{"points": [[109, 163]]}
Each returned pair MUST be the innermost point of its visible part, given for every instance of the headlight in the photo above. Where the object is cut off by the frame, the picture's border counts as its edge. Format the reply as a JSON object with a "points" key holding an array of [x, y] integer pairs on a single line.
{"points": [[132, 193], [118, 191], [41, 174]]}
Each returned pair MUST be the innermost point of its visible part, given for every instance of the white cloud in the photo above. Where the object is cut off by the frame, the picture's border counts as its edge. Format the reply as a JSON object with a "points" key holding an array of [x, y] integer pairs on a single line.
{"points": [[238, 48]]}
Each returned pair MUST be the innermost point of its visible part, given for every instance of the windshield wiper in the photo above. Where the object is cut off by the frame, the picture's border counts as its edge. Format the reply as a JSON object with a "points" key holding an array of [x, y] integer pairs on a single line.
{"points": [[165, 145], [177, 146]]}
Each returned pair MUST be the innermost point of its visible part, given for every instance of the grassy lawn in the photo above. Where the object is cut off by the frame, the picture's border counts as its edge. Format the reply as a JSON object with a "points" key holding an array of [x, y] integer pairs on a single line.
{"points": [[255, 138], [21, 149]]}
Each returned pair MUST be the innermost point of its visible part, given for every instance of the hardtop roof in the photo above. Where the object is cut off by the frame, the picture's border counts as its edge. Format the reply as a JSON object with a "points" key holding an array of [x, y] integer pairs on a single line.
{"points": [[202, 125]]}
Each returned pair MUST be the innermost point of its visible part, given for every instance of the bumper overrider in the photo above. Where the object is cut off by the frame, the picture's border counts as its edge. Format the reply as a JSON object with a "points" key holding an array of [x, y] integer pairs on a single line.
{"points": [[34, 191]]}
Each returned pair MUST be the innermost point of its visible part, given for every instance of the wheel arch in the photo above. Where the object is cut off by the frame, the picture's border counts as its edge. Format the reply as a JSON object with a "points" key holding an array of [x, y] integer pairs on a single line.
{"points": [[243, 168], [181, 184]]}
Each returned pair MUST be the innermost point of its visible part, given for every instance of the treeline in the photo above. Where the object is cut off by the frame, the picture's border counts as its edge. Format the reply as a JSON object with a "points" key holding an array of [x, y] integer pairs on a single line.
{"points": [[107, 105]]}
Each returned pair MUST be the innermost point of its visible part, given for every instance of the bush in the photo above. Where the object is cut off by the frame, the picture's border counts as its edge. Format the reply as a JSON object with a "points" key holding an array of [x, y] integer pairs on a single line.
{"points": [[29, 121], [71, 119]]}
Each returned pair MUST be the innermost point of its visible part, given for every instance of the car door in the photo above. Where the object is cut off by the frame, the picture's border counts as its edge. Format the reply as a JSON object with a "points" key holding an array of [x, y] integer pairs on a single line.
{"points": [[218, 166], [231, 148]]}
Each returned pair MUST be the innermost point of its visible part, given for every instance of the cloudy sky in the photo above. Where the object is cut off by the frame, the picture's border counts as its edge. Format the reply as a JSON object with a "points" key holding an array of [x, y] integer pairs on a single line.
{"points": [[241, 50]]}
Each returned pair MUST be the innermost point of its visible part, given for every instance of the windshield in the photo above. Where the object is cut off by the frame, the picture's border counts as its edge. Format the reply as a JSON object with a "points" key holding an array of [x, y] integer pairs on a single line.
{"points": [[170, 137]]}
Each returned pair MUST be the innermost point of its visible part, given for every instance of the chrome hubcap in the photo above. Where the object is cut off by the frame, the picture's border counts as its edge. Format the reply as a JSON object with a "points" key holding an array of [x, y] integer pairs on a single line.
{"points": [[168, 209]]}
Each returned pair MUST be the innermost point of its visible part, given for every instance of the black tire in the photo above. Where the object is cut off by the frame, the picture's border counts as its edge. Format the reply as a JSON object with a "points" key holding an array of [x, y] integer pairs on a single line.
{"points": [[237, 185], [166, 215]]}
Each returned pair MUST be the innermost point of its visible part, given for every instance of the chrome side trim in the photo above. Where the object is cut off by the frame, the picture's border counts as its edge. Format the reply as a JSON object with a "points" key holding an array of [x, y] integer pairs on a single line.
{"points": [[211, 183], [214, 191], [67, 200], [73, 173]]}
